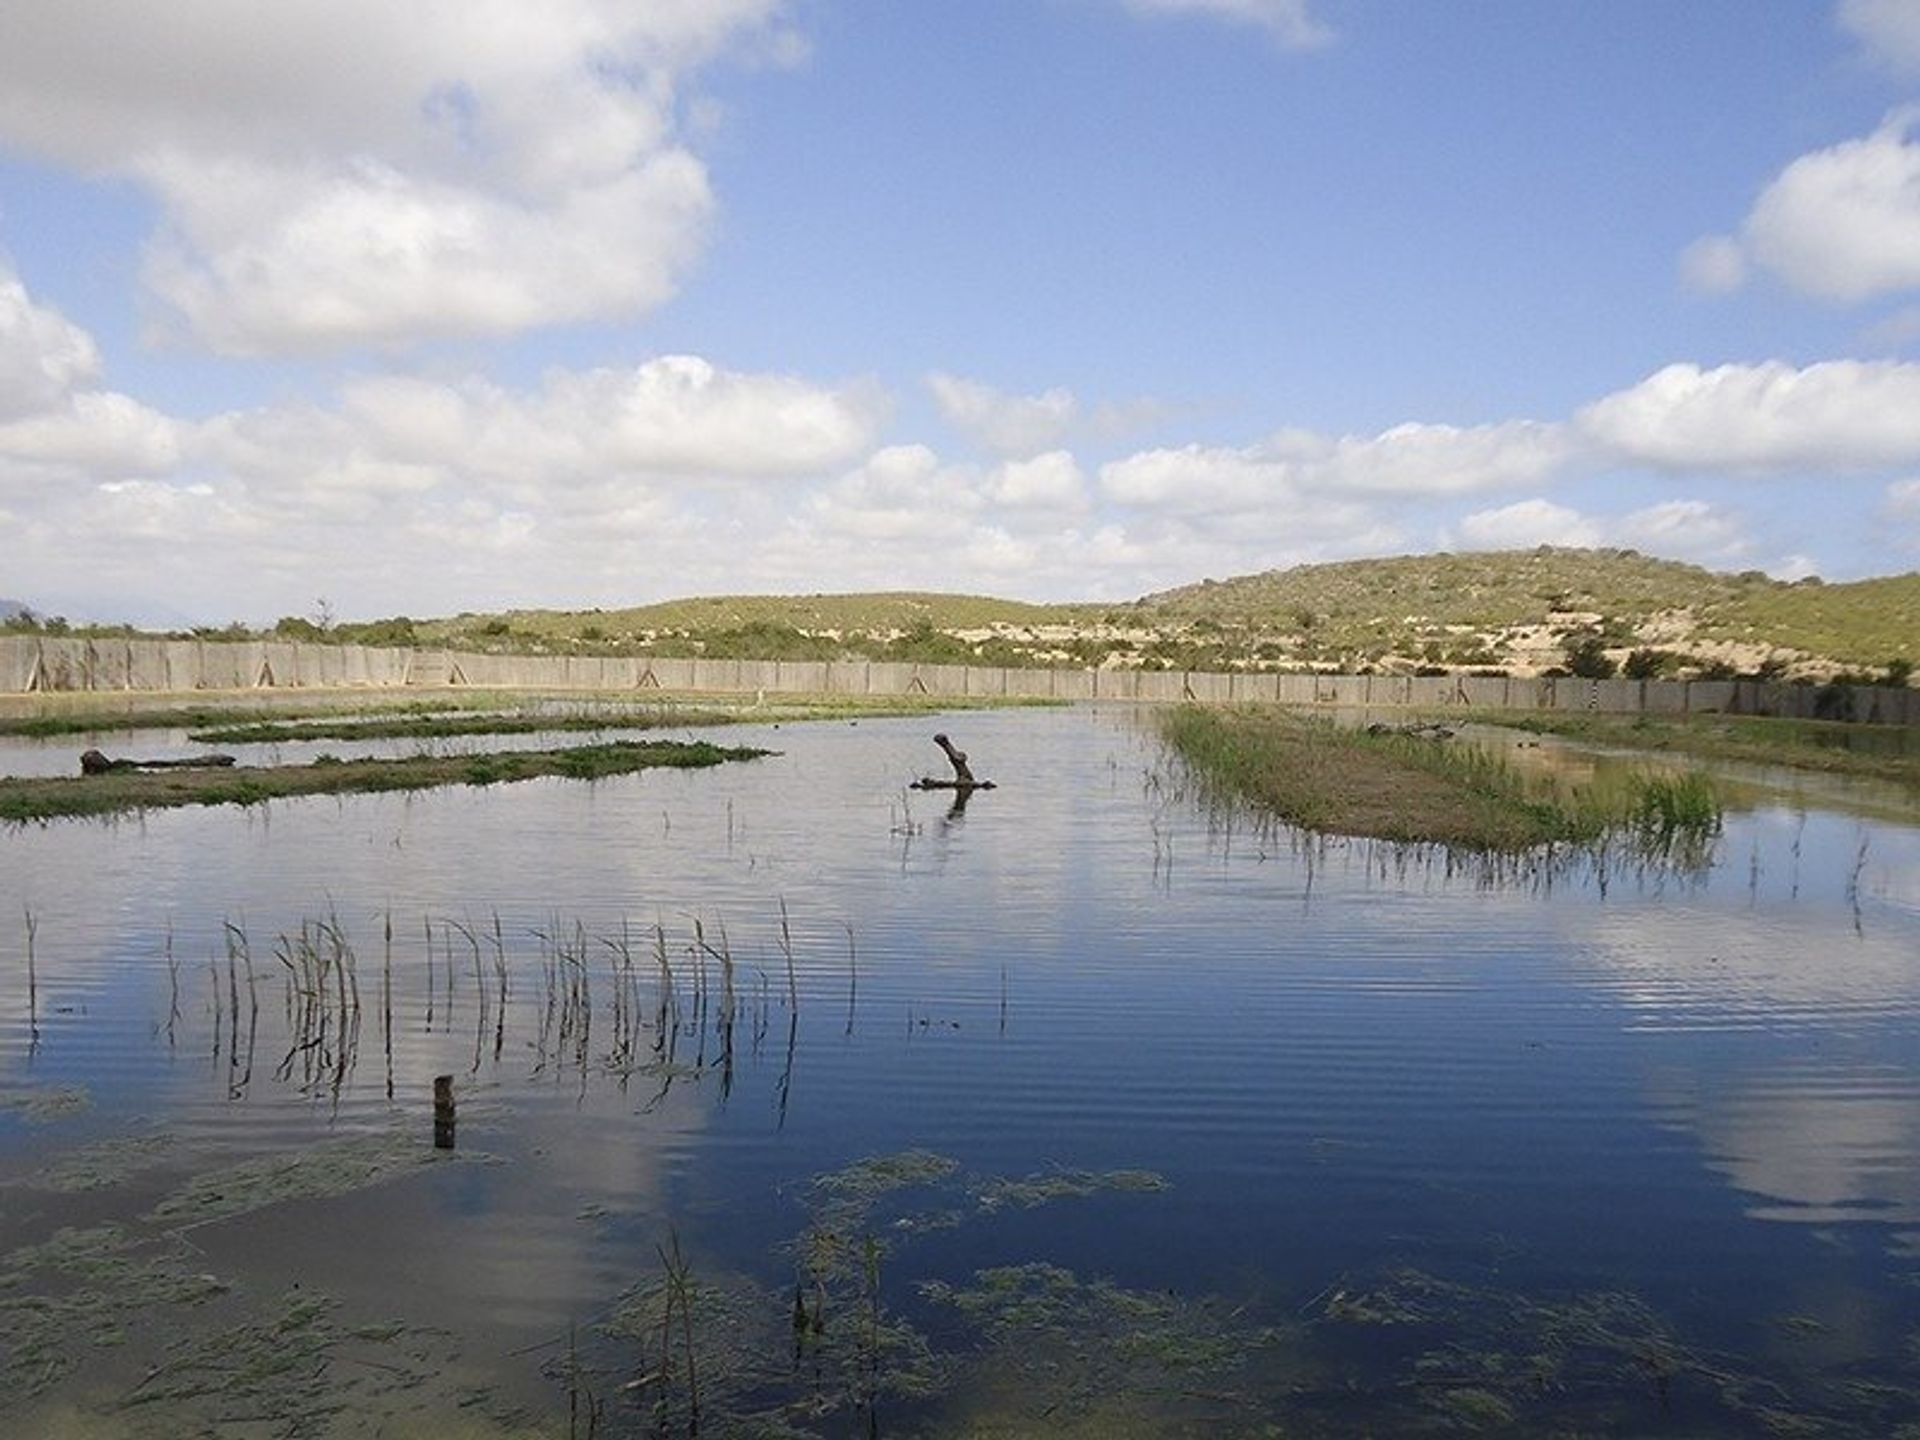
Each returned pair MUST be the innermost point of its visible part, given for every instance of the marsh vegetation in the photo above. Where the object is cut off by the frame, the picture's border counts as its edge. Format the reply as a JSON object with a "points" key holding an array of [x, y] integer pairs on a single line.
{"points": [[1422, 788], [32, 798]]}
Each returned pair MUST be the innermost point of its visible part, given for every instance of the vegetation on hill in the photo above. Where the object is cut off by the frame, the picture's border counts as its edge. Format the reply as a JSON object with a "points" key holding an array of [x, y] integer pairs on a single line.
{"points": [[1548, 610]]}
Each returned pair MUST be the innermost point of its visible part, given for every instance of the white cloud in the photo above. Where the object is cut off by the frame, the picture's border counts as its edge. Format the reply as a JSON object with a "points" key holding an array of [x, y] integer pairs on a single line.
{"points": [[1288, 21], [96, 432], [1526, 523], [1408, 460], [1195, 480], [1903, 499], [43, 355], [1839, 224], [1713, 265], [681, 414], [1836, 416], [677, 417], [1685, 530], [268, 260], [1014, 425], [354, 171], [901, 493], [1047, 482], [1890, 29]]}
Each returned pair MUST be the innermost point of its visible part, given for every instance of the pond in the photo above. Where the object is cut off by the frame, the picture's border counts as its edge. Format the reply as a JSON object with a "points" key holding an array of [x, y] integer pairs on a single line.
{"points": [[790, 1103]]}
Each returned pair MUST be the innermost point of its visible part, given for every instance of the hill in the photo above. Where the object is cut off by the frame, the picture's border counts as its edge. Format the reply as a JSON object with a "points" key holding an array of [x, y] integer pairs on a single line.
{"points": [[1518, 611], [1516, 608]]}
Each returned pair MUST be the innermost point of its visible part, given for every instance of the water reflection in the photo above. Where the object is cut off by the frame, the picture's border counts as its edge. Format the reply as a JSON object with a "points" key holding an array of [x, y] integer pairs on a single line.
{"points": [[1383, 1096]]}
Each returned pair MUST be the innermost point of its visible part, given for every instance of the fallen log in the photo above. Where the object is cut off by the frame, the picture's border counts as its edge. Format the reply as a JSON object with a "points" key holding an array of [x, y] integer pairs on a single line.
{"points": [[93, 762], [962, 776]]}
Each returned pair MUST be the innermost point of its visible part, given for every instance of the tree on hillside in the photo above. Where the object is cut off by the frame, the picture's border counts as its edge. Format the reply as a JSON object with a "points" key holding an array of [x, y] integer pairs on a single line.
{"points": [[1587, 657]]}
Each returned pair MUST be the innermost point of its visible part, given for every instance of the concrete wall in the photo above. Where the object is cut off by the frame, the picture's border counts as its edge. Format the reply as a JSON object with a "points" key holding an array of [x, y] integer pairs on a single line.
{"points": [[48, 663]]}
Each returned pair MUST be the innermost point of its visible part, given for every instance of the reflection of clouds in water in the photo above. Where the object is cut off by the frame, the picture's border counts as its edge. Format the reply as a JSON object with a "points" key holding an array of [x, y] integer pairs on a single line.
{"points": [[1814, 1145], [1824, 1142], [1684, 968]]}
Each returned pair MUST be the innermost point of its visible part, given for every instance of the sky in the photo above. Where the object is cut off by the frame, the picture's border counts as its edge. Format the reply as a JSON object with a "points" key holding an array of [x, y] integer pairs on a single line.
{"points": [[362, 308]]}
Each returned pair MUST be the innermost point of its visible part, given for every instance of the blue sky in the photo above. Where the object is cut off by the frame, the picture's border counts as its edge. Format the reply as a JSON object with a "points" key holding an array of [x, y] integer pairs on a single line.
{"points": [[437, 307]]}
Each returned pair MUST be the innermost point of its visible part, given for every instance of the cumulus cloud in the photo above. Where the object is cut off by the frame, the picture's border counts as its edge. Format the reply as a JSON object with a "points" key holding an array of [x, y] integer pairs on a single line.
{"points": [[1406, 460], [259, 259], [356, 172], [1903, 499], [1839, 224], [1053, 481], [1836, 416], [901, 492], [678, 416], [97, 433], [1016, 425], [1685, 530], [1526, 523], [43, 355], [1289, 21], [1890, 30], [1680, 529], [1196, 479], [1714, 265]]}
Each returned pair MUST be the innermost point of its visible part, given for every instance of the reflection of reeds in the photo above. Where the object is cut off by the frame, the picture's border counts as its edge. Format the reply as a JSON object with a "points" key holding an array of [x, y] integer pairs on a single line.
{"points": [[173, 987], [322, 1002], [33, 982], [240, 1072], [597, 1007], [677, 1303]]}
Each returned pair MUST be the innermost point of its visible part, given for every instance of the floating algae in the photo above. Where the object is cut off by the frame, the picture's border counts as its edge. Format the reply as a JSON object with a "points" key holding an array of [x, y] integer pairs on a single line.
{"points": [[748, 1370], [728, 1355], [86, 1286], [318, 1172], [103, 1166], [296, 1364], [1588, 1362], [1060, 1183], [69, 1298], [1060, 1344], [45, 1106]]}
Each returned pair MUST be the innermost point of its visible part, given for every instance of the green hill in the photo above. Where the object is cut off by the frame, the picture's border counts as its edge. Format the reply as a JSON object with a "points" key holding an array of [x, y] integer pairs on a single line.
{"points": [[1520, 612]]}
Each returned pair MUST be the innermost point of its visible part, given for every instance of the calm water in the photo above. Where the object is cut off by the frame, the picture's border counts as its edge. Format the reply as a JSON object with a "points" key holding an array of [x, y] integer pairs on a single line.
{"points": [[1090, 1113]]}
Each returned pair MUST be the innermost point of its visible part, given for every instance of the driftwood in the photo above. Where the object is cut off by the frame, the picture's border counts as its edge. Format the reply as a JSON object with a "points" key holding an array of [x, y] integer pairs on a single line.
{"points": [[1431, 730], [92, 762], [963, 779]]}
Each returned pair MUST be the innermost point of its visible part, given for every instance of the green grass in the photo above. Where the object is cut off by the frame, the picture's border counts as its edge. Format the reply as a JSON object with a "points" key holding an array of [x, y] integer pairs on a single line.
{"points": [[41, 798], [1318, 776]]}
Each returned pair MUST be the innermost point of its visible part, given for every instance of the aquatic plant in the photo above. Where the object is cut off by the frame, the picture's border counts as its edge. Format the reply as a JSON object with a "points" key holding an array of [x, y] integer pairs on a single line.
{"points": [[37, 798], [1413, 788]]}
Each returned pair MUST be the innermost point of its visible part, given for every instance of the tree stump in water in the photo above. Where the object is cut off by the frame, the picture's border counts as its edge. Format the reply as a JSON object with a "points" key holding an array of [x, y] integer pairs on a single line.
{"points": [[963, 778]]}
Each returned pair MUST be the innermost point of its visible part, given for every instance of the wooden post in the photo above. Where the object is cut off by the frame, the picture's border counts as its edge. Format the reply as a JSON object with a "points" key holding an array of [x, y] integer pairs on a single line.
{"points": [[443, 1112]]}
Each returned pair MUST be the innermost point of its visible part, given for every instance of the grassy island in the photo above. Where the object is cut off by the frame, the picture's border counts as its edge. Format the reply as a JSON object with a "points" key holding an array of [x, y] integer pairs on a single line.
{"points": [[46, 798], [1409, 788]]}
